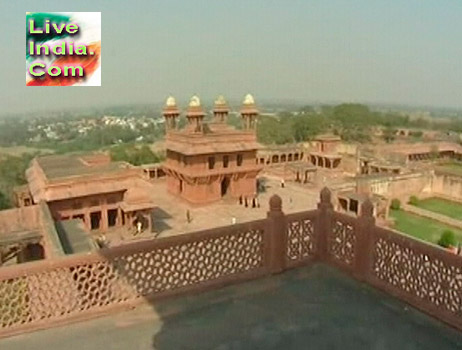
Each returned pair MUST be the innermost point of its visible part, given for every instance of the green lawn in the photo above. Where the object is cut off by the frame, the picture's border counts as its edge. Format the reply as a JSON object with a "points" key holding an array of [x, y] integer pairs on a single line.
{"points": [[442, 206], [426, 229], [452, 168]]}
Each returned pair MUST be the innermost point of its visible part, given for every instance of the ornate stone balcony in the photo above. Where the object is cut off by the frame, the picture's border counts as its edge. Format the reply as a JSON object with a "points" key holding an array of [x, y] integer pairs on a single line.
{"points": [[47, 293]]}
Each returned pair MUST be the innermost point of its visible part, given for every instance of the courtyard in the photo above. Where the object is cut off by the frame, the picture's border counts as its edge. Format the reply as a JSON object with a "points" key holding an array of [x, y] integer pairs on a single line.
{"points": [[313, 307], [170, 215]]}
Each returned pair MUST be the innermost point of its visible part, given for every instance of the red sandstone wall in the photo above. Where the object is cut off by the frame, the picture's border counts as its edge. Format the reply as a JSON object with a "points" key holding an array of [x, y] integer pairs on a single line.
{"points": [[401, 186], [447, 186], [20, 219], [198, 166], [66, 209], [349, 164]]}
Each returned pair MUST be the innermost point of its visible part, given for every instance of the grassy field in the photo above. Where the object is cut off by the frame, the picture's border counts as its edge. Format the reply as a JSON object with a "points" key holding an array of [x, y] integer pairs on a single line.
{"points": [[442, 206], [426, 229], [452, 168]]}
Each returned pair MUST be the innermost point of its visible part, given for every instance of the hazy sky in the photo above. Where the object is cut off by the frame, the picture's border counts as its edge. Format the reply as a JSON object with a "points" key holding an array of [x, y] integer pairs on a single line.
{"points": [[392, 51]]}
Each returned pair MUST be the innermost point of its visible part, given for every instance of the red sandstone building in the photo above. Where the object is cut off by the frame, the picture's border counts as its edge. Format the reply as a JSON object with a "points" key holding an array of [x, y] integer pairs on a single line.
{"points": [[326, 155], [91, 188], [209, 161]]}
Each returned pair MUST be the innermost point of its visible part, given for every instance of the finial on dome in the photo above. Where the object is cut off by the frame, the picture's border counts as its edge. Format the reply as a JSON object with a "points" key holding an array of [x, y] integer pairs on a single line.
{"points": [[220, 100], [249, 100], [194, 101], [170, 102]]}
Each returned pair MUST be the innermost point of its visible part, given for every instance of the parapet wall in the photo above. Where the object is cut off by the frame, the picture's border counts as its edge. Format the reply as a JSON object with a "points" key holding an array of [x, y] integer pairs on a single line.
{"points": [[448, 186], [52, 292], [398, 186], [20, 219]]}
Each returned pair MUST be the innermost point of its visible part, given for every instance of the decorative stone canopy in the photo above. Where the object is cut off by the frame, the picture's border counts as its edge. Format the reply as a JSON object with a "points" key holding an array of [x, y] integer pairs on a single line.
{"points": [[220, 110], [220, 101], [195, 115], [170, 112], [249, 100], [170, 102], [194, 101], [249, 113], [248, 105]]}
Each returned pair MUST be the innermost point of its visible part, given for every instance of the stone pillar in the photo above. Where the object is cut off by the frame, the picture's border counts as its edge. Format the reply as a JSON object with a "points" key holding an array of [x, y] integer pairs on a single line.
{"points": [[104, 218], [87, 219], [323, 224], [365, 226], [276, 236], [21, 256], [119, 217]]}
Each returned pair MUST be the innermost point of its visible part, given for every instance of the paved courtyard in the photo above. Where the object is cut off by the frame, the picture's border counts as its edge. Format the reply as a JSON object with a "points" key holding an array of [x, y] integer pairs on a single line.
{"points": [[170, 216], [309, 308]]}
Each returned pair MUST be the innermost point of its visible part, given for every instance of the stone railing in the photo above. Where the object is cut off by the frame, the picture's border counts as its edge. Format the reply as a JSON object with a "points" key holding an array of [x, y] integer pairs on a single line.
{"points": [[421, 274], [56, 291]]}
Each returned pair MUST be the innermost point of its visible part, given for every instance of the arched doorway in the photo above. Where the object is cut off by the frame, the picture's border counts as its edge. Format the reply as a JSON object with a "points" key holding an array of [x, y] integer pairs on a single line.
{"points": [[225, 186]]}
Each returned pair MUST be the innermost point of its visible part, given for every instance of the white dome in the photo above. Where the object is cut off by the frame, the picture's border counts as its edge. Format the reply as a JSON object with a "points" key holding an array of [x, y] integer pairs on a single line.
{"points": [[248, 100], [194, 101], [220, 100], [170, 102]]}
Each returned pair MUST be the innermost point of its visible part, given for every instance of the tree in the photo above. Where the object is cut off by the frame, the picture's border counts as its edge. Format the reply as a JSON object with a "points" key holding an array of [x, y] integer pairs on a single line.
{"points": [[447, 239], [273, 130], [389, 134], [4, 202], [307, 110], [12, 173], [395, 204], [134, 154], [306, 127], [413, 200]]}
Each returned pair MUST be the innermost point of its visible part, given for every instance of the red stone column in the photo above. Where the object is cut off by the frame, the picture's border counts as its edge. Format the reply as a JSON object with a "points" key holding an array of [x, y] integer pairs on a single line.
{"points": [[104, 217], [323, 224], [276, 236], [87, 218], [364, 230]]}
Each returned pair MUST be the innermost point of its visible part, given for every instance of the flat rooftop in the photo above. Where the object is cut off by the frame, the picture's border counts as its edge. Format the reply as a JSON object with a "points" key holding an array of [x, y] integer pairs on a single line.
{"points": [[63, 166], [314, 307]]}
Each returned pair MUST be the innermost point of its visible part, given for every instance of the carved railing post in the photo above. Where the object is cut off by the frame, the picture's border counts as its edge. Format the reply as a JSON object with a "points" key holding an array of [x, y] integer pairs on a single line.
{"points": [[364, 231], [276, 237], [323, 224]]}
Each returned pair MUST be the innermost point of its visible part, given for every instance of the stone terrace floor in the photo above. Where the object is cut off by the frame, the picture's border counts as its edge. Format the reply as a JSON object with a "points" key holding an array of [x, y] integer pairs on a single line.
{"points": [[309, 308]]}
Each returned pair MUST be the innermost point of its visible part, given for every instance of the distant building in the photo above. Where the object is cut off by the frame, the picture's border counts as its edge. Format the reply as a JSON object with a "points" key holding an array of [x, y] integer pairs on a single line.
{"points": [[103, 194], [209, 161], [326, 155]]}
